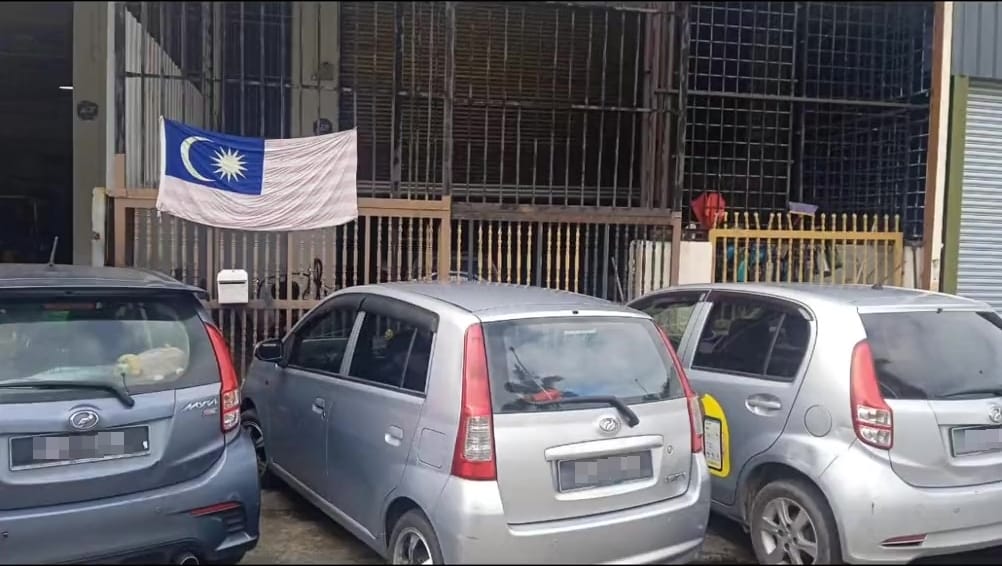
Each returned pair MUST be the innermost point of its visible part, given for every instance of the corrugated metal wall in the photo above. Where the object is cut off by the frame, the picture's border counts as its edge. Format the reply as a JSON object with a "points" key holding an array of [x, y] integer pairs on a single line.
{"points": [[979, 270], [174, 97], [977, 39]]}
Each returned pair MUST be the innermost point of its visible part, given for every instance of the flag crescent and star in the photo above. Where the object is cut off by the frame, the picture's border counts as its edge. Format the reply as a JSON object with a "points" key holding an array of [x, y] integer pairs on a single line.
{"points": [[257, 184]]}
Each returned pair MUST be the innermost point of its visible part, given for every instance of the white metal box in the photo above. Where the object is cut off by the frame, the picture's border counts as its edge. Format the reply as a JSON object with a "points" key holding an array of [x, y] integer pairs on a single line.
{"points": [[231, 287]]}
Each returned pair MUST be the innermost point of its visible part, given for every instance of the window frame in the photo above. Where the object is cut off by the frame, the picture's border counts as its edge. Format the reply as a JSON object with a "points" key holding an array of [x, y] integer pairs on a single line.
{"points": [[351, 301], [669, 298], [785, 306], [400, 311]]}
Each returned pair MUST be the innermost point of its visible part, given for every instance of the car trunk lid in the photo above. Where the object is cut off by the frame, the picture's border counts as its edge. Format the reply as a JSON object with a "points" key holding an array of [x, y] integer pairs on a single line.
{"points": [[63, 439], [557, 460], [940, 372]]}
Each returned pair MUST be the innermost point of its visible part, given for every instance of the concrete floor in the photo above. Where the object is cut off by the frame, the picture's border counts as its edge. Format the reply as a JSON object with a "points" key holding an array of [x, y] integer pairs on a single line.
{"points": [[294, 532]]}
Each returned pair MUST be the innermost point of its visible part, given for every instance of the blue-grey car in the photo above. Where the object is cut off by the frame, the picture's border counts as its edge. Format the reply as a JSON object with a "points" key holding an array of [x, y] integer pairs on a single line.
{"points": [[120, 436]]}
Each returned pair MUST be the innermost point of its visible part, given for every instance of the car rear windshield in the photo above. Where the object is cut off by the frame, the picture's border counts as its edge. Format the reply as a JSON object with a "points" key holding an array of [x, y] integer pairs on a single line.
{"points": [[936, 354], [545, 359], [146, 344]]}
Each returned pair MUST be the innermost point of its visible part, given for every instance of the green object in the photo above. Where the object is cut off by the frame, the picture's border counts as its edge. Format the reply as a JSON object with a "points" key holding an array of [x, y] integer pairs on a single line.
{"points": [[954, 181]]}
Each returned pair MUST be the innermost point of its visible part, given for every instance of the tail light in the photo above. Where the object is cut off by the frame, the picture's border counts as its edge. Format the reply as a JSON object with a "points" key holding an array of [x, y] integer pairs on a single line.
{"points": [[229, 394], [474, 455], [872, 418], [695, 411]]}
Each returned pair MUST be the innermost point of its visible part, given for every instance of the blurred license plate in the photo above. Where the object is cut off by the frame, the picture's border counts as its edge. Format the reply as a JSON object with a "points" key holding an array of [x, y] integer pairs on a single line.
{"points": [[974, 440], [53, 450], [600, 472]]}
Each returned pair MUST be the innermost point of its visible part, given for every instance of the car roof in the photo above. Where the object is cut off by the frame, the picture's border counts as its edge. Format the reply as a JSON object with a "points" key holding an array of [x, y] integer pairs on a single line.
{"points": [[500, 298], [35, 276], [862, 297]]}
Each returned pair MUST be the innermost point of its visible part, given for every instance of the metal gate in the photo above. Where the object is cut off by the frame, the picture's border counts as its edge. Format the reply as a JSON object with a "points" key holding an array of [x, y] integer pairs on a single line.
{"points": [[979, 255], [616, 254]]}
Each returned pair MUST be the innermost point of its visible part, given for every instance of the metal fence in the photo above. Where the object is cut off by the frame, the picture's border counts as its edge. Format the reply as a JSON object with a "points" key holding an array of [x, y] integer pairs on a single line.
{"points": [[791, 248], [616, 255]]}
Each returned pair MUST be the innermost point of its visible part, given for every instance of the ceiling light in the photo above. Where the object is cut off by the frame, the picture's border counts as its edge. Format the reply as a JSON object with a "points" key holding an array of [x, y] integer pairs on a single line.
{"points": [[66, 87]]}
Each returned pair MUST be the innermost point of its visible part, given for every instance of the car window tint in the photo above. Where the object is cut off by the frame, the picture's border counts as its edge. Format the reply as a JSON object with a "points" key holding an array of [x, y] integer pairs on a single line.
{"points": [[392, 352], [790, 347], [737, 336], [936, 354], [148, 343], [543, 359], [321, 345], [672, 317]]}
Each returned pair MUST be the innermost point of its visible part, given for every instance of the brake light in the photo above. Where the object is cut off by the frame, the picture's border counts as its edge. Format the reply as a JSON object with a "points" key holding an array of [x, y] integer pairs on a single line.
{"points": [[872, 418], [474, 454], [695, 410], [229, 393]]}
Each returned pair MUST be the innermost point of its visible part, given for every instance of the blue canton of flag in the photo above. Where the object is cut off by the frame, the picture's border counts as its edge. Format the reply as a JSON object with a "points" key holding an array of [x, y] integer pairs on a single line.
{"points": [[257, 184], [220, 161]]}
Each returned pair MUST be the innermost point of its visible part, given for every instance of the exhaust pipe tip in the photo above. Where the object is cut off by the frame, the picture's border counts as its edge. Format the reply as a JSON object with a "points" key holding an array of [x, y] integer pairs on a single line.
{"points": [[187, 559]]}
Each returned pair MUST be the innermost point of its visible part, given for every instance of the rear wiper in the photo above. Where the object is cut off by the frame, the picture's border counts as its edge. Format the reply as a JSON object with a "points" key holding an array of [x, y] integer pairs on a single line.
{"points": [[116, 388], [994, 391], [632, 419]]}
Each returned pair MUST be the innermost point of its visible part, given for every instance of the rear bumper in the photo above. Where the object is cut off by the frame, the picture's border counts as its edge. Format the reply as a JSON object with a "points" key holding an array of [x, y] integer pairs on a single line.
{"points": [[470, 523], [872, 504], [151, 526]]}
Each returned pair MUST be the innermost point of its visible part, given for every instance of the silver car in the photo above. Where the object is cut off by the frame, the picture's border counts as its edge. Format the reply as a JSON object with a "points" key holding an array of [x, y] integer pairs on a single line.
{"points": [[847, 423], [473, 423]]}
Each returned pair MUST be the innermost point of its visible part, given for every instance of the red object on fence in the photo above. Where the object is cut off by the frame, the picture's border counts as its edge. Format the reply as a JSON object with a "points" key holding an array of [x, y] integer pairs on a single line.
{"points": [[709, 209]]}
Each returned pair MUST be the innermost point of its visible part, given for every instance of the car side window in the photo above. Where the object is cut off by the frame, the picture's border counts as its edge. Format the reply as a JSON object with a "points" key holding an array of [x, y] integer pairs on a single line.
{"points": [[672, 315], [790, 347], [321, 345], [750, 337], [392, 352]]}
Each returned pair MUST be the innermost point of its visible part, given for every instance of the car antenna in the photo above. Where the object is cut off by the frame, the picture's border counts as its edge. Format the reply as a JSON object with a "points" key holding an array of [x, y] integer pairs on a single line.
{"points": [[52, 254]]}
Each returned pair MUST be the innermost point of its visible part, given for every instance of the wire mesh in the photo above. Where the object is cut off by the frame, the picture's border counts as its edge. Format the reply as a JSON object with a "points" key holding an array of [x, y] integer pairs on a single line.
{"points": [[823, 102], [562, 103]]}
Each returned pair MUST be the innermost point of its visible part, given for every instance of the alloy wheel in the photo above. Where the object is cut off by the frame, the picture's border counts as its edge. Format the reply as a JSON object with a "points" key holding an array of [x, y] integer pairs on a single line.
{"points": [[787, 534]]}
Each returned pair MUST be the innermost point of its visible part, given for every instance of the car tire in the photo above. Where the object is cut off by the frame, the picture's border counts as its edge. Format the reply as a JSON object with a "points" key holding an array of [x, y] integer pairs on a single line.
{"points": [[790, 517], [252, 426], [411, 526]]}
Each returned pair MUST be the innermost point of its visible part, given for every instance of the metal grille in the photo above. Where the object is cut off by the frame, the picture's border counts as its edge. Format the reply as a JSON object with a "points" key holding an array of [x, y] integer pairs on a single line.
{"points": [[819, 102]]}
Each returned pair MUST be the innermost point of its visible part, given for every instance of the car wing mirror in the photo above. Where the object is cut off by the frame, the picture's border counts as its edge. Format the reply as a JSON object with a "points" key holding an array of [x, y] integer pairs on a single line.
{"points": [[269, 350]]}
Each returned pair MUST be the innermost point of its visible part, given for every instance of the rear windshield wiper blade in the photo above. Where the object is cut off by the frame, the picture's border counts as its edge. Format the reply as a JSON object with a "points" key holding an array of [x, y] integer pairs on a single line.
{"points": [[994, 391], [116, 388], [632, 419]]}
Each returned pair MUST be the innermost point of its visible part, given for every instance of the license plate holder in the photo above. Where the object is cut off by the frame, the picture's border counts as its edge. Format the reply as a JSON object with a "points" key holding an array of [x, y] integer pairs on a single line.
{"points": [[969, 440], [604, 471], [43, 451]]}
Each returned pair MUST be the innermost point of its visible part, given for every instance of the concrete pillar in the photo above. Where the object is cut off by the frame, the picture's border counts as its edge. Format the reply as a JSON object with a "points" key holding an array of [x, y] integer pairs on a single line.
{"points": [[939, 126], [93, 105]]}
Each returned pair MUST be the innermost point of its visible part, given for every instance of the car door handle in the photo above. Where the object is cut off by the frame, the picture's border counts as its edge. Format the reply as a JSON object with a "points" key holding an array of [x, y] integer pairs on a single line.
{"points": [[394, 435], [763, 404], [320, 407]]}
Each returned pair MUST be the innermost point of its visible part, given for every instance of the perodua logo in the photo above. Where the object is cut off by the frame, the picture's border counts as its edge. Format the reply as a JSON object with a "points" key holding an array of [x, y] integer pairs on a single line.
{"points": [[84, 419], [609, 425]]}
